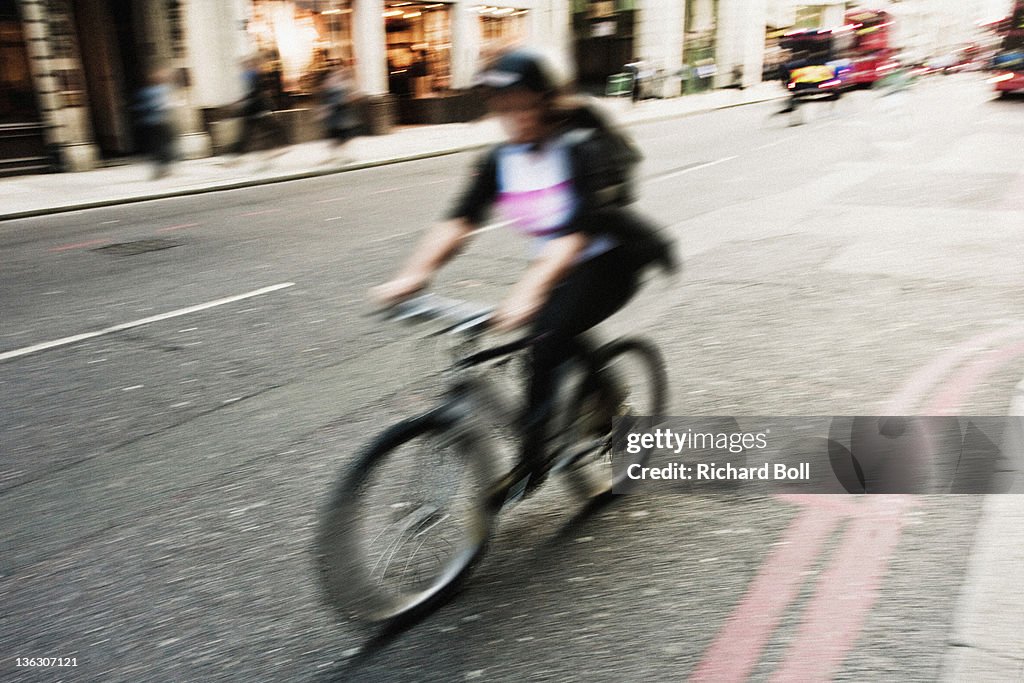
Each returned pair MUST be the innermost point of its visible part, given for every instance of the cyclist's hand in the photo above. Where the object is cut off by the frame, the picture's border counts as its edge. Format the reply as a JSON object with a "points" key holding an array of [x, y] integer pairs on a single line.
{"points": [[397, 290], [517, 310]]}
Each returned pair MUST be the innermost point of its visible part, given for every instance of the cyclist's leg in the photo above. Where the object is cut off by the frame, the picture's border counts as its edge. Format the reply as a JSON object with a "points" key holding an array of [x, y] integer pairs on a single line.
{"points": [[592, 292]]}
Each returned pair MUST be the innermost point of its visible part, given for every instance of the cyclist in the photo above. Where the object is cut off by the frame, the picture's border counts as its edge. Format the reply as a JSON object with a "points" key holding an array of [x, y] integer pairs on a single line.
{"points": [[587, 250]]}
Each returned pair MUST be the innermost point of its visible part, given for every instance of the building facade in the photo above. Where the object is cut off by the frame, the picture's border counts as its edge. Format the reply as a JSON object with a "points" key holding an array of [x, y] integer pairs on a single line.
{"points": [[82, 61], [70, 68]]}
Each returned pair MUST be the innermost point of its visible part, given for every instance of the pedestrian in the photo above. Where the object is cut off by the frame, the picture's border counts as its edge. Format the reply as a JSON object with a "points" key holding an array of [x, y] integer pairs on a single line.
{"points": [[340, 111], [259, 127], [419, 72], [273, 78], [154, 107], [562, 180], [399, 81]]}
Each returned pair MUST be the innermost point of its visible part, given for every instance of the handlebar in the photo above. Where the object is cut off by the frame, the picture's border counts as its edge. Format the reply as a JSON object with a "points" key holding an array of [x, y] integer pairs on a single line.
{"points": [[461, 316]]}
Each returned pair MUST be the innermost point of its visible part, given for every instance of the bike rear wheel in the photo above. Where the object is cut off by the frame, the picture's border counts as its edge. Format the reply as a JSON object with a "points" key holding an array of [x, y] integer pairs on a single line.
{"points": [[408, 520], [627, 380]]}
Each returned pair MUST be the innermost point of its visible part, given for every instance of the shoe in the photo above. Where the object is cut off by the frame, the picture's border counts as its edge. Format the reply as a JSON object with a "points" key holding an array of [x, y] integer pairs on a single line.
{"points": [[518, 484]]}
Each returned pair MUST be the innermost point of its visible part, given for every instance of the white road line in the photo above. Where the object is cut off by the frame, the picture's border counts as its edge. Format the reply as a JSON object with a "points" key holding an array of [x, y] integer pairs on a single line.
{"points": [[772, 144], [692, 169], [36, 348]]}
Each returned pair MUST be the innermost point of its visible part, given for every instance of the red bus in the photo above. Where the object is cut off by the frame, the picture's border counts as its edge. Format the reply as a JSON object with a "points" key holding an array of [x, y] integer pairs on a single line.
{"points": [[872, 55], [1008, 63]]}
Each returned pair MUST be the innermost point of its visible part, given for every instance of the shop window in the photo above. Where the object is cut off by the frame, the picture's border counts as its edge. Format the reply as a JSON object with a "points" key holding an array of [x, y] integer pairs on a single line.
{"points": [[299, 41], [17, 96], [419, 46], [502, 24]]}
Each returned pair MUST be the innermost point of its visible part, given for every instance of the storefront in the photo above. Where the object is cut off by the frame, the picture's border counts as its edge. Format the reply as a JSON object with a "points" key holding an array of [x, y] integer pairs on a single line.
{"points": [[420, 40], [298, 41], [419, 48], [604, 39], [502, 25], [22, 143], [70, 69], [17, 96], [699, 33]]}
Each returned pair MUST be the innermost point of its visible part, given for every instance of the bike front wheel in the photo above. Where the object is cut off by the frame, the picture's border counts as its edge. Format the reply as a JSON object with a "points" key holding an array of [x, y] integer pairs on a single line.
{"points": [[408, 521], [627, 380]]}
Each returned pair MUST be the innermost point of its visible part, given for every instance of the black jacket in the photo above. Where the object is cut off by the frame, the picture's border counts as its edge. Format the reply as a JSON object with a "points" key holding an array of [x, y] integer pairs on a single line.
{"points": [[602, 160]]}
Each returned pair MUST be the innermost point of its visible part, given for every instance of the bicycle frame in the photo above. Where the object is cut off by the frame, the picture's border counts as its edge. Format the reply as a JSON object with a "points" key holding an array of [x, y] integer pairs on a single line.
{"points": [[467, 393]]}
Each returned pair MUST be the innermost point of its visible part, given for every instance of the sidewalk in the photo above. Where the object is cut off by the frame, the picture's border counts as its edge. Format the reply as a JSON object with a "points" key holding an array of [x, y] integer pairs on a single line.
{"points": [[38, 195], [987, 643]]}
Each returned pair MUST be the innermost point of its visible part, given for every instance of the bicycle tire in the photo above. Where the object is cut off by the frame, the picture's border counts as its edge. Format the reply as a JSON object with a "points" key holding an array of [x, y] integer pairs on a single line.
{"points": [[590, 475], [347, 569]]}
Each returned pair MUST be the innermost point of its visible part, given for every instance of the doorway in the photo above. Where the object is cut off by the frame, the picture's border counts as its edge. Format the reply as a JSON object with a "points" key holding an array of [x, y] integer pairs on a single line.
{"points": [[108, 45]]}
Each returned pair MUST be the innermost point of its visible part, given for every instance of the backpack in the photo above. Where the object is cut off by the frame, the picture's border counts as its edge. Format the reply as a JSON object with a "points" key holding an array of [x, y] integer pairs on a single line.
{"points": [[604, 161]]}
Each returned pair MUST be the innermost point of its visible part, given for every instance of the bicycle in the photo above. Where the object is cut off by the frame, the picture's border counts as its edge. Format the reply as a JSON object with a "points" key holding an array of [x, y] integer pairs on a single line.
{"points": [[445, 481]]}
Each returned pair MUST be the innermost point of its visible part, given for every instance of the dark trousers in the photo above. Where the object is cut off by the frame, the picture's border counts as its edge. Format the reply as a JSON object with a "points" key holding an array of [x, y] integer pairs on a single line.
{"points": [[159, 143], [590, 293]]}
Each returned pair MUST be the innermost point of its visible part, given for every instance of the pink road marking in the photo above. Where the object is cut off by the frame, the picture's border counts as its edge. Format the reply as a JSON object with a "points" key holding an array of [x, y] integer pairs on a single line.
{"points": [[843, 503], [845, 593], [79, 245], [904, 402], [179, 227], [738, 645], [960, 386]]}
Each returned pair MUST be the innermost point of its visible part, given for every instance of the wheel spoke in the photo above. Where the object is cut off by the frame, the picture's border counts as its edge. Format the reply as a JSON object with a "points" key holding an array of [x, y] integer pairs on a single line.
{"points": [[405, 524], [395, 545]]}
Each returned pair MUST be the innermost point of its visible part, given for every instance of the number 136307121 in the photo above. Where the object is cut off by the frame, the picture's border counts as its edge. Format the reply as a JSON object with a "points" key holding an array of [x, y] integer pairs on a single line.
{"points": [[46, 661]]}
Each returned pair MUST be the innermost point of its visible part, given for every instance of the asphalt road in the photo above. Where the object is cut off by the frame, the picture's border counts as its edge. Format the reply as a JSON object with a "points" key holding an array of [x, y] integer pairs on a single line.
{"points": [[159, 485]]}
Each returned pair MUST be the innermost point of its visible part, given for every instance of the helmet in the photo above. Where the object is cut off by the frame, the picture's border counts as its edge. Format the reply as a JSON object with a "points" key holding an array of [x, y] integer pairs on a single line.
{"points": [[517, 69]]}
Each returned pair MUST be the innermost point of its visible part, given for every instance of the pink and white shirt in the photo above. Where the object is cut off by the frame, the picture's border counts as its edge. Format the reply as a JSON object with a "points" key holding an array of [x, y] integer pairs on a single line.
{"points": [[536, 194]]}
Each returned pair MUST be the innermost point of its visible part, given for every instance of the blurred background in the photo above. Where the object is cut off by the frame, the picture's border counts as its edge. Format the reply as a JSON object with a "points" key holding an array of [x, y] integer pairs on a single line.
{"points": [[72, 70], [187, 236]]}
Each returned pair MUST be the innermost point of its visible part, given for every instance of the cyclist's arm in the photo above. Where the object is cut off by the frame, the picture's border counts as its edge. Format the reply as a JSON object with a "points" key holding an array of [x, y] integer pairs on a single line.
{"points": [[445, 239], [530, 293], [440, 244]]}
